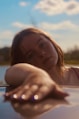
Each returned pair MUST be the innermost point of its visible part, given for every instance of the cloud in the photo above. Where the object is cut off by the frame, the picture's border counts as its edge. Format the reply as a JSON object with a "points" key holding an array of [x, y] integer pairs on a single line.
{"points": [[65, 25], [6, 34], [54, 7], [64, 39], [49, 27], [21, 25], [23, 3], [68, 40], [72, 7], [6, 38]]}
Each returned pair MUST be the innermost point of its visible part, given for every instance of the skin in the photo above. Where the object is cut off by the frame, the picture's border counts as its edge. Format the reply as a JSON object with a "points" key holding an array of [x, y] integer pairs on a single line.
{"points": [[40, 58], [40, 52], [34, 49], [29, 83]]}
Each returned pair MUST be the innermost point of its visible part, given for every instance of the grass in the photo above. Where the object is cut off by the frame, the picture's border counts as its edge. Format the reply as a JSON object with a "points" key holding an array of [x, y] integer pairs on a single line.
{"points": [[72, 62]]}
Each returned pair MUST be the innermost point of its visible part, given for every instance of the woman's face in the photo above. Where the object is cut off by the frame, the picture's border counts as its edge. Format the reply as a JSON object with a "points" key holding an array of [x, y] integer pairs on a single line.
{"points": [[39, 51]]}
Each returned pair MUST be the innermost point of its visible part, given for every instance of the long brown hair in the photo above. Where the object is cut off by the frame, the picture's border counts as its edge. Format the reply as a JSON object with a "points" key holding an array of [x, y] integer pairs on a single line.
{"points": [[16, 53]]}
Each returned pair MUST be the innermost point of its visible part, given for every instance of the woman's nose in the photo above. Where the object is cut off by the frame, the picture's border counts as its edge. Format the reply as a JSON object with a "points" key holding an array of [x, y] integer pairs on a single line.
{"points": [[42, 53]]}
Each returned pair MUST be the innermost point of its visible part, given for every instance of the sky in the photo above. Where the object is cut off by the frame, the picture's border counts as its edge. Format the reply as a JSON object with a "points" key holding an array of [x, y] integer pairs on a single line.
{"points": [[60, 18]]}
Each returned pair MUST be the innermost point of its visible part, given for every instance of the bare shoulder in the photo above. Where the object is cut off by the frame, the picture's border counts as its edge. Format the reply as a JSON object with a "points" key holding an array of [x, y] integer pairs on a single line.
{"points": [[76, 70]]}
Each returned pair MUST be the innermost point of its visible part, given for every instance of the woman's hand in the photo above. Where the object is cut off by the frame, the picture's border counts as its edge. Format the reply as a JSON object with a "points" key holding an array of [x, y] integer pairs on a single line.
{"points": [[32, 84]]}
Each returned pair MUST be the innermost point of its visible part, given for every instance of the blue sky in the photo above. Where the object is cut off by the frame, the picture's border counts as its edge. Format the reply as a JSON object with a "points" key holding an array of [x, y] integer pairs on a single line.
{"points": [[60, 18]]}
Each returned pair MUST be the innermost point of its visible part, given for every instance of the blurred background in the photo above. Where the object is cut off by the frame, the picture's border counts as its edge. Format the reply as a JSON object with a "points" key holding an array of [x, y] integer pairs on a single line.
{"points": [[60, 18]]}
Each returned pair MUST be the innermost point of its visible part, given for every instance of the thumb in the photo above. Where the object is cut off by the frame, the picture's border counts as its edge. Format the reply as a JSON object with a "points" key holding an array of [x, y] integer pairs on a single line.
{"points": [[59, 93]]}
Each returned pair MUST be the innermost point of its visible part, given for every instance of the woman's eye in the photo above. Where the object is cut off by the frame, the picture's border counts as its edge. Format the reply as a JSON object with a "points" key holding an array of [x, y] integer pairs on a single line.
{"points": [[42, 45]]}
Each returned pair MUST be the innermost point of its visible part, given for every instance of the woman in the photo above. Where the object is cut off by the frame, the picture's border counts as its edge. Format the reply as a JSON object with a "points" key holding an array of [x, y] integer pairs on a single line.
{"points": [[36, 48]]}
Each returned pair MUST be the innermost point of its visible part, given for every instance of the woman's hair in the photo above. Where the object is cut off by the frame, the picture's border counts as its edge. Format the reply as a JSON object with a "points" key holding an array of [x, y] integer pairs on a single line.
{"points": [[16, 53]]}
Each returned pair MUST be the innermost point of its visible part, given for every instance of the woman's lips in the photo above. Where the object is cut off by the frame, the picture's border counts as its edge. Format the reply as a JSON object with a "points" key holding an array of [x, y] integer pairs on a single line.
{"points": [[48, 59]]}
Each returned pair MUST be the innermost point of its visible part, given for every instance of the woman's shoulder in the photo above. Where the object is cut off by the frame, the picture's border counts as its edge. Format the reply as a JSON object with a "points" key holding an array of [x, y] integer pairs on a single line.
{"points": [[75, 69]]}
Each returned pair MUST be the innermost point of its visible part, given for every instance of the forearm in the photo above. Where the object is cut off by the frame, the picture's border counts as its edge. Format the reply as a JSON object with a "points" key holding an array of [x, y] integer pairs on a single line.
{"points": [[35, 82], [17, 74], [14, 76]]}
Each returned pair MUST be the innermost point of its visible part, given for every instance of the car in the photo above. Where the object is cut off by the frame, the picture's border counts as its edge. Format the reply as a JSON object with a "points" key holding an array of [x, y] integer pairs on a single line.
{"points": [[48, 108]]}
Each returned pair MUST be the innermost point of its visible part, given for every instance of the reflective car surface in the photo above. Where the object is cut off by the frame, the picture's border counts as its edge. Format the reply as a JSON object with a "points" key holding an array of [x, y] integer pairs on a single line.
{"points": [[47, 109]]}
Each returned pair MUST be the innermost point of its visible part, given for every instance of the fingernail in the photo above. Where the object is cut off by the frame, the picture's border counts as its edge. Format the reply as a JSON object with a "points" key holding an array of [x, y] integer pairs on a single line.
{"points": [[23, 97], [35, 98], [14, 96]]}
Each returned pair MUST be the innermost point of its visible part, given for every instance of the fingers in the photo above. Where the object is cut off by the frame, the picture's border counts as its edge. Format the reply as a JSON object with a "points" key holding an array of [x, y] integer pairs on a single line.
{"points": [[22, 93], [12, 94], [41, 93], [28, 93], [35, 93], [55, 92]]}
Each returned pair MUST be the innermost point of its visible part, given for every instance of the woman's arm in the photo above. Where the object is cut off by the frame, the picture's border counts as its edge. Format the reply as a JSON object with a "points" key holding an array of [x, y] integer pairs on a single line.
{"points": [[31, 83]]}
